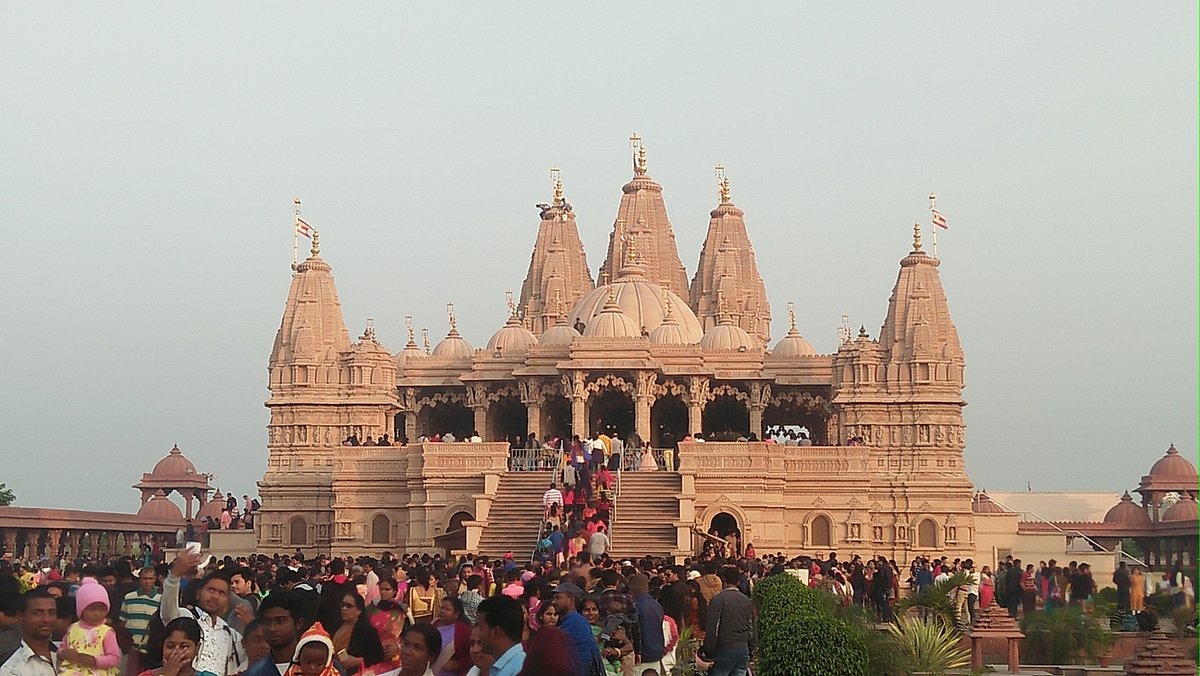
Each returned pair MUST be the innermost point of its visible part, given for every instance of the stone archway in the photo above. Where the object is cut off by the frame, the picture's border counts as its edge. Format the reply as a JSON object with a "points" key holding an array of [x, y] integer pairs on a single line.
{"points": [[795, 413], [381, 530], [726, 418], [927, 533], [298, 532], [820, 532], [556, 417], [456, 531], [611, 411], [668, 421], [508, 420], [447, 416]]}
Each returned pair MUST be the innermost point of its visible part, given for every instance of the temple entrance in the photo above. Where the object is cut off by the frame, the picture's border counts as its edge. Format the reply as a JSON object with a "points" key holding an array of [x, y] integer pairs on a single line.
{"points": [[556, 417], [508, 420], [791, 415], [612, 411], [668, 420], [455, 536], [726, 418], [723, 530], [448, 416]]}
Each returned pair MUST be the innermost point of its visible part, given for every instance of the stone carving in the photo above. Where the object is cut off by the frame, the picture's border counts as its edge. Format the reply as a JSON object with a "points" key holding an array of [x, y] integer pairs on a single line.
{"points": [[760, 395], [609, 381], [727, 390], [646, 381], [574, 385], [699, 392]]}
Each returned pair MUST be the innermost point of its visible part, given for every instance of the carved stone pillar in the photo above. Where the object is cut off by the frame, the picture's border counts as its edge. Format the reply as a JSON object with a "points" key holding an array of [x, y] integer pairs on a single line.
{"points": [[574, 387], [698, 396], [760, 395], [579, 416], [481, 425], [643, 397], [31, 545], [10, 541], [756, 421], [534, 418], [477, 401], [55, 539]]}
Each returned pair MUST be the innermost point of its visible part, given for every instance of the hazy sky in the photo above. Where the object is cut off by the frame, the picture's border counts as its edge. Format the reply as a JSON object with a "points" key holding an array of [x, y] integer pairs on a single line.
{"points": [[150, 154]]}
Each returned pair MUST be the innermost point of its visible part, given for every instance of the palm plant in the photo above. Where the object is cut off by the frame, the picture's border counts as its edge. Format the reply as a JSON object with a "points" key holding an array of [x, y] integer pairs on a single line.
{"points": [[937, 600], [927, 645], [685, 652]]}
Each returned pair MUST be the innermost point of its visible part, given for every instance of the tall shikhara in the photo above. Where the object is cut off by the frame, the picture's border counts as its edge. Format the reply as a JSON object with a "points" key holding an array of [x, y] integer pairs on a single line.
{"points": [[727, 279], [642, 221], [323, 389], [558, 270]]}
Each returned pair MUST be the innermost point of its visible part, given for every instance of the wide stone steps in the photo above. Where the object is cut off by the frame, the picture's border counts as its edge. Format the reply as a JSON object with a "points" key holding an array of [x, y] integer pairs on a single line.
{"points": [[646, 512], [515, 515]]}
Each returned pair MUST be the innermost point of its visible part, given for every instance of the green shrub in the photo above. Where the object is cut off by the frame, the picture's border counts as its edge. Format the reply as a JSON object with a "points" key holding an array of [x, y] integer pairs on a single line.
{"points": [[798, 636], [1063, 636], [1107, 595], [929, 646]]}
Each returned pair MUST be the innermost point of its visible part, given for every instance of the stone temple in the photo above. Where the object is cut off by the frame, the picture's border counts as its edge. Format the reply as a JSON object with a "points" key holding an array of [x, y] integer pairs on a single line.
{"points": [[641, 350]]}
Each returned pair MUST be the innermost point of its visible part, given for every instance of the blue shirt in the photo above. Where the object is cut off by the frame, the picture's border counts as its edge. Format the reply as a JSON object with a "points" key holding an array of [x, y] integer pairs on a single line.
{"points": [[556, 538], [510, 663], [587, 651], [650, 619]]}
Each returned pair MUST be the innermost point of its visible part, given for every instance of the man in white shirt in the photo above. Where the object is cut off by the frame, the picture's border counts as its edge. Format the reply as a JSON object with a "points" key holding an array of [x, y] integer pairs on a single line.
{"points": [[221, 649], [36, 656], [968, 594], [550, 497]]}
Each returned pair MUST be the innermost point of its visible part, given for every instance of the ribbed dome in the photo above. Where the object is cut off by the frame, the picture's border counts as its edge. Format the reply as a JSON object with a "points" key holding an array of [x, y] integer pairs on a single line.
{"points": [[174, 465], [611, 323], [453, 346], [1173, 467], [559, 334], [512, 337], [160, 508], [1184, 510], [669, 332], [727, 336], [212, 507], [983, 503], [1128, 513], [410, 350], [793, 345], [639, 299]]}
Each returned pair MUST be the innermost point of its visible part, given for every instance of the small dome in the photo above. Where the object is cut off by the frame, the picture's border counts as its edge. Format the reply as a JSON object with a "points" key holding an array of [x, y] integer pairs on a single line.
{"points": [[410, 350], [213, 507], [641, 300], [559, 334], [727, 336], [512, 337], [1184, 510], [612, 323], [793, 345], [160, 508], [670, 332], [983, 503], [1173, 467], [174, 465], [453, 346], [1128, 513]]}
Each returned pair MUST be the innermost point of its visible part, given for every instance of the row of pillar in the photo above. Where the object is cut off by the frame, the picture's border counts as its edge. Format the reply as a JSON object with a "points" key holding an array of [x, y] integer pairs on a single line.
{"points": [[57, 540]]}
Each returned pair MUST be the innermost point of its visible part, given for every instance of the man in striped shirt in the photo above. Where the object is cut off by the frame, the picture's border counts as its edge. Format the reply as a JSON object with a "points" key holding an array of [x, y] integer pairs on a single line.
{"points": [[137, 608]]}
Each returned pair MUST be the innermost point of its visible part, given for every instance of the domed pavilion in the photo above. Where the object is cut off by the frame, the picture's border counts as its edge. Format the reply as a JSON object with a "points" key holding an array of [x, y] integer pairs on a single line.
{"points": [[175, 473]]}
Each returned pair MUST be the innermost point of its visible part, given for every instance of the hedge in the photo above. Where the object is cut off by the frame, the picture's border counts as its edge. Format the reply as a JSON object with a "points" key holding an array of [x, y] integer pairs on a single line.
{"points": [[798, 636]]}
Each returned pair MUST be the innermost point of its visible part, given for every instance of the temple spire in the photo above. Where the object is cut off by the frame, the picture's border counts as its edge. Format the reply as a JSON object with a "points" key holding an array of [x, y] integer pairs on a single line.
{"points": [[558, 265]]}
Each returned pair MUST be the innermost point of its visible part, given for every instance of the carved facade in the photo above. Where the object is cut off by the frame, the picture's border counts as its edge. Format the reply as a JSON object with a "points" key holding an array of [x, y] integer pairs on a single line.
{"points": [[641, 354]]}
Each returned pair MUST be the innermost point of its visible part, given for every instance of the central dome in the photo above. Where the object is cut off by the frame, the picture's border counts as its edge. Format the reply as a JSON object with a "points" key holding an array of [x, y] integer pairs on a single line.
{"points": [[642, 301], [174, 465], [512, 337]]}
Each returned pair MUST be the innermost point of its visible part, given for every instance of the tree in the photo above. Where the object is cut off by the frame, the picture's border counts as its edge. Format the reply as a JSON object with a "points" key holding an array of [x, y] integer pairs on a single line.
{"points": [[7, 497]]}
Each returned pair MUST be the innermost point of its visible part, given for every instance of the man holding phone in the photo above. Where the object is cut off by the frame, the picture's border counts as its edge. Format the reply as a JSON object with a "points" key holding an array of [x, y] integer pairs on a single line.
{"points": [[221, 649]]}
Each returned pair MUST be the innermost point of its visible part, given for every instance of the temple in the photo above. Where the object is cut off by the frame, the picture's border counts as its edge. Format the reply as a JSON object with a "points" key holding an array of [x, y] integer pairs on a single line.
{"points": [[636, 351]]}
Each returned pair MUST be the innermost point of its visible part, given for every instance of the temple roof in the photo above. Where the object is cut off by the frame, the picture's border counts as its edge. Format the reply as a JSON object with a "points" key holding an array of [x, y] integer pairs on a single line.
{"points": [[313, 330], [1172, 472], [1128, 513], [558, 270], [642, 301]]}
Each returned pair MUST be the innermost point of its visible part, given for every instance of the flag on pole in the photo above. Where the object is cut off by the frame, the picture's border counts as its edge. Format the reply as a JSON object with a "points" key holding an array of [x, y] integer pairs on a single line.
{"points": [[939, 220], [303, 228]]}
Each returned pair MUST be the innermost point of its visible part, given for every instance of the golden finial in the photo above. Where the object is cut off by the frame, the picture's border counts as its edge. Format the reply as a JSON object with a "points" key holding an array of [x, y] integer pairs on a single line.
{"points": [[369, 332], [316, 245], [792, 313], [425, 337], [450, 315], [722, 184], [916, 236], [558, 186], [508, 300], [639, 155], [408, 325]]}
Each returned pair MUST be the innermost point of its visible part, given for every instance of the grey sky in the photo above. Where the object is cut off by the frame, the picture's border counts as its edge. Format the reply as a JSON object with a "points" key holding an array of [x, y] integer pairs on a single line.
{"points": [[151, 152]]}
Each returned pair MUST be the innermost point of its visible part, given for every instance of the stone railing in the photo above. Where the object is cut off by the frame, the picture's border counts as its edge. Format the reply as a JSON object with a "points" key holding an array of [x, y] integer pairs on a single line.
{"points": [[760, 458], [458, 459]]}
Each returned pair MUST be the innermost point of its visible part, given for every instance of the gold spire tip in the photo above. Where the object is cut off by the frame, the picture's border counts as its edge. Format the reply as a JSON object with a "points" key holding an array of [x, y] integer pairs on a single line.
{"points": [[639, 154], [556, 183], [916, 236], [508, 301], [792, 314], [316, 242], [722, 184], [450, 316]]}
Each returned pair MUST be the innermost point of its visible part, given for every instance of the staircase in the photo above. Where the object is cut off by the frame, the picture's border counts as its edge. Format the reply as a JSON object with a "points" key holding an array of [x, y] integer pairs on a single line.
{"points": [[515, 515], [646, 512]]}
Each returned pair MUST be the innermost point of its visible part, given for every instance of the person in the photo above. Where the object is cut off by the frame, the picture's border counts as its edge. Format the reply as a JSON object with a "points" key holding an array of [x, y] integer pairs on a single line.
{"points": [[254, 642], [987, 588], [181, 643], [90, 647], [481, 661], [471, 598], [314, 654], [137, 608], [280, 615], [455, 633], [500, 625], [651, 644], [552, 496], [220, 649], [581, 641], [419, 647], [598, 543], [1137, 590], [647, 463], [546, 614], [34, 656], [729, 630], [1124, 582], [332, 591], [423, 598], [549, 653], [356, 644]]}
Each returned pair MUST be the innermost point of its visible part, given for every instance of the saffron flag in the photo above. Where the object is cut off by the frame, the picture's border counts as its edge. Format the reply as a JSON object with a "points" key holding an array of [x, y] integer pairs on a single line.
{"points": [[303, 228], [939, 220]]}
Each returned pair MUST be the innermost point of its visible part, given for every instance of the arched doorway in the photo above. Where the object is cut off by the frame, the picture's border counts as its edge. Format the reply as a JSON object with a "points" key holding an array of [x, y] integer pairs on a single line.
{"points": [[726, 418], [820, 532], [298, 532], [668, 420], [381, 530], [449, 416], [556, 417], [927, 534], [508, 420], [455, 537], [611, 411]]}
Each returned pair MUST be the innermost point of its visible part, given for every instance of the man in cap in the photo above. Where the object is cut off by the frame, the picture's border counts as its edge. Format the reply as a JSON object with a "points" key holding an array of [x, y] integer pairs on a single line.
{"points": [[587, 652]]}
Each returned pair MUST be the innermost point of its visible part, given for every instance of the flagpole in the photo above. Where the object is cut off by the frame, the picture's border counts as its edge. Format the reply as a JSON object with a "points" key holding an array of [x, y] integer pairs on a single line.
{"points": [[296, 234], [932, 206]]}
